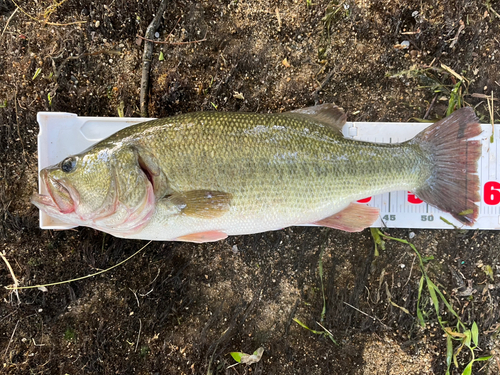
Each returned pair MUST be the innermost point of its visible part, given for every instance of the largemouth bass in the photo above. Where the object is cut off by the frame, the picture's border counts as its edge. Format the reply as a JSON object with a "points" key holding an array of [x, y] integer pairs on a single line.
{"points": [[202, 176]]}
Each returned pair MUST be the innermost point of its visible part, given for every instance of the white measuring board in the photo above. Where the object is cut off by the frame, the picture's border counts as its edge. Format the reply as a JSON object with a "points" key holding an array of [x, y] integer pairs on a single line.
{"points": [[64, 134]]}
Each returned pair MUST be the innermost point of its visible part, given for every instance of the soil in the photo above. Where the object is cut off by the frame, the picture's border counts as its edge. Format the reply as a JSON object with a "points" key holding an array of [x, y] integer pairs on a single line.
{"points": [[179, 308]]}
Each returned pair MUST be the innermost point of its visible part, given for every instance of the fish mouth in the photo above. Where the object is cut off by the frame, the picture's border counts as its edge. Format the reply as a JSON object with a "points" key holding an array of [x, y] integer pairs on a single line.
{"points": [[59, 197]]}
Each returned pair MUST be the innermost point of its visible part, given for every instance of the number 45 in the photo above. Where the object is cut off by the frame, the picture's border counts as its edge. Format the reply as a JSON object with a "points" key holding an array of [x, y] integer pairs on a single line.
{"points": [[389, 217]]}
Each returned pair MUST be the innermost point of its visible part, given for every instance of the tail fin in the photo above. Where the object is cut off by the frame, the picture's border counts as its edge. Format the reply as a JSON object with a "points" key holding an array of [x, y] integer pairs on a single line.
{"points": [[454, 184]]}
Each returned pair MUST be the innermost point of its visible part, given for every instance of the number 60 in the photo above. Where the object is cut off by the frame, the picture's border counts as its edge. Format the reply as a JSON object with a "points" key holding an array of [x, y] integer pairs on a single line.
{"points": [[491, 193]]}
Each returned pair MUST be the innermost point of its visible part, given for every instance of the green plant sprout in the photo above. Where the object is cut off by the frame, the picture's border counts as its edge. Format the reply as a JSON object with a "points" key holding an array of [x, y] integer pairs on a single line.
{"points": [[121, 109], [325, 332], [38, 71], [330, 12], [468, 338], [247, 359]]}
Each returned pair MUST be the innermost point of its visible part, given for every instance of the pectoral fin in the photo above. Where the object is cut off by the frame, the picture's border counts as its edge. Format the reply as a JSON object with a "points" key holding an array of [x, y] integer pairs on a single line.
{"points": [[211, 236], [205, 204], [354, 218]]}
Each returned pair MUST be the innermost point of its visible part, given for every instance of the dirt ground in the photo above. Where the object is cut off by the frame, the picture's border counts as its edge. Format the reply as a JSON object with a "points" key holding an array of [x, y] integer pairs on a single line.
{"points": [[181, 308]]}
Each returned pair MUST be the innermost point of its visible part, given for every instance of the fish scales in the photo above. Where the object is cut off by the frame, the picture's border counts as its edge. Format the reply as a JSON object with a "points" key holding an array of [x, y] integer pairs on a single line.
{"points": [[280, 170]]}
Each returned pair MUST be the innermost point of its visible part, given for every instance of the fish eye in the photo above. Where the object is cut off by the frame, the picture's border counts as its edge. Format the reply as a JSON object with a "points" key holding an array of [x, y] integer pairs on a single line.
{"points": [[68, 164]]}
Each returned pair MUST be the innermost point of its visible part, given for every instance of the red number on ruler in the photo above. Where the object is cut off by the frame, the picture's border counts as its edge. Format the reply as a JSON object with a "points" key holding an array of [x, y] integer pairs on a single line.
{"points": [[412, 198], [365, 200], [492, 193]]}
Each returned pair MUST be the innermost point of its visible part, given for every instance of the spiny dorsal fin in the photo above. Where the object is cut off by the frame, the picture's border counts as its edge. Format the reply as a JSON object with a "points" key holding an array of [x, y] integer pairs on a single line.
{"points": [[328, 114], [205, 204]]}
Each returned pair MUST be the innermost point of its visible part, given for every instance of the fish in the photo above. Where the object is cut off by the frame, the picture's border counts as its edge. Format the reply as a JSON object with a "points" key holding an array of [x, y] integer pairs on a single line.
{"points": [[202, 176]]}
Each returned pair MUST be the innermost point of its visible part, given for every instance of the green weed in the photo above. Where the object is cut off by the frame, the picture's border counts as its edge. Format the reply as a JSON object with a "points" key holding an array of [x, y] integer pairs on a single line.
{"points": [[121, 109], [491, 10], [69, 334], [324, 333], [38, 71], [248, 359], [332, 10], [466, 337], [443, 81], [144, 351]]}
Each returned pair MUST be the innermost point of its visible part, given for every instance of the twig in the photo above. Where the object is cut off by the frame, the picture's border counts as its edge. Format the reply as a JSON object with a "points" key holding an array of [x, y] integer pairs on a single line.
{"points": [[173, 43], [10, 341], [146, 57], [430, 107], [279, 18], [139, 335], [455, 39], [362, 312], [411, 32], [17, 124], [327, 331], [490, 101], [483, 96], [7, 24], [16, 282], [323, 84], [137, 299], [411, 269]]}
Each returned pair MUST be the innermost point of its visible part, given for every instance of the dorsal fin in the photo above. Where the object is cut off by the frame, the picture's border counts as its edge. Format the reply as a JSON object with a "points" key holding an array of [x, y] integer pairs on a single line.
{"points": [[328, 114]]}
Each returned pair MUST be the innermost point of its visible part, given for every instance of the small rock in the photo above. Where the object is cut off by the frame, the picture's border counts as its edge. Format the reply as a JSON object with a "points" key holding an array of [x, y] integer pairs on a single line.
{"points": [[411, 235]]}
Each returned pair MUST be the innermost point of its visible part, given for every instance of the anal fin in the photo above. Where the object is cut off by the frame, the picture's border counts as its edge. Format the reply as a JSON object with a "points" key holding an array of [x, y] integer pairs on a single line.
{"points": [[202, 237], [353, 218]]}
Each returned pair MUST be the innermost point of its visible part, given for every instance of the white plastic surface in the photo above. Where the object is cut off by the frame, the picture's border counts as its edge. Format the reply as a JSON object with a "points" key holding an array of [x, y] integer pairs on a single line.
{"points": [[64, 134]]}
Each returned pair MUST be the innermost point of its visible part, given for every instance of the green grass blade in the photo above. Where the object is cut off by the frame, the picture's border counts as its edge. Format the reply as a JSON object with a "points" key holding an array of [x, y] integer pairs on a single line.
{"points": [[432, 291], [420, 317], [486, 358], [306, 327], [468, 369], [237, 356], [475, 334], [449, 353], [448, 306]]}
